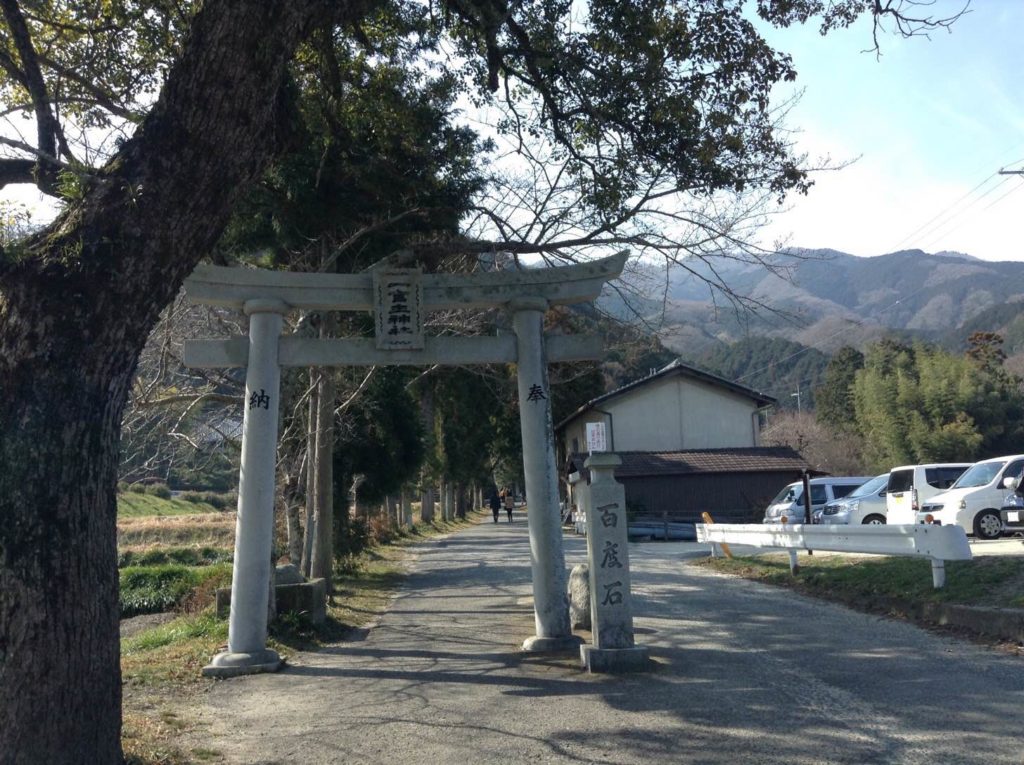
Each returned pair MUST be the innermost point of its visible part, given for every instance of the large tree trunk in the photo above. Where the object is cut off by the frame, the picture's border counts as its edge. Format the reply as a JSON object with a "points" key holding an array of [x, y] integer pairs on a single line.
{"points": [[75, 311], [407, 507], [427, 503]]}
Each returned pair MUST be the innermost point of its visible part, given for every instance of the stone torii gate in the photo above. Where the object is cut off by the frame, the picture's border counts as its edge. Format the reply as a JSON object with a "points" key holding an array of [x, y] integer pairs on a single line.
{"points": [[399, 298]]}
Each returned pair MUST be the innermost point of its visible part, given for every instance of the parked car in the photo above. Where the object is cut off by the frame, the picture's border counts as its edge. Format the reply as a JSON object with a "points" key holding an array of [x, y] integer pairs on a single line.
{"points": [[910, 486], [789, 503], [975, 499], [863, 505], [1012, 510]]}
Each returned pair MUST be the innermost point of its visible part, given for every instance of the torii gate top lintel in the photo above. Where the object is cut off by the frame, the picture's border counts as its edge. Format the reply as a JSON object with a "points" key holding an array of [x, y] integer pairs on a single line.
{"points": [[233, 286]]}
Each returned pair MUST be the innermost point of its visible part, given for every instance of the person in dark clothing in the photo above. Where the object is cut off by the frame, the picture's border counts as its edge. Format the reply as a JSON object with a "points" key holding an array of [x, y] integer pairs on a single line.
{"points": [[495, 506]]}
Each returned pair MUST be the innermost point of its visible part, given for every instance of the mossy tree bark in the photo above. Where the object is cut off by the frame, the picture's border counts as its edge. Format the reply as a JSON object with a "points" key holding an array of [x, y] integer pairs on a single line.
{"points": [[75, 310]]}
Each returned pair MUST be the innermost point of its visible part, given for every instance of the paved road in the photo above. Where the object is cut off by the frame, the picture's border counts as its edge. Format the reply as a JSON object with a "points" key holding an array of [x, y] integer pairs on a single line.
{"points": [[744, 673]]}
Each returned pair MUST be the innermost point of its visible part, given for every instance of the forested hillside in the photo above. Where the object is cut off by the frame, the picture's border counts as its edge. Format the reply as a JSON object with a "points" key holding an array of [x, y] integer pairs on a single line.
{"points": [[780, 368]]}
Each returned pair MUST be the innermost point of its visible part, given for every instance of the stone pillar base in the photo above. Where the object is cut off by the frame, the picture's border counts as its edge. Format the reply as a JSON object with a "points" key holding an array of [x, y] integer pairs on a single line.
{"points": [[537, 644], [634, 659], [229, 664]]}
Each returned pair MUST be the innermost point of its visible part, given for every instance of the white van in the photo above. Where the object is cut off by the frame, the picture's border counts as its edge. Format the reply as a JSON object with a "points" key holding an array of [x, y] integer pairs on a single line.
{"points": [[973, 502], [911, 485], [789, 503]]}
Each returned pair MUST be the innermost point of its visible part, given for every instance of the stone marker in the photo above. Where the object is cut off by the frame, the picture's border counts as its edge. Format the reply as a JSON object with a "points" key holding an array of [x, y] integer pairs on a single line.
{"points": [[611, 614], [288, 573], [579, 597]]}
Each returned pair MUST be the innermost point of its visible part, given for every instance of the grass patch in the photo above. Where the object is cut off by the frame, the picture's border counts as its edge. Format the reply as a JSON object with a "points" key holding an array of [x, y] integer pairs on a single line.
{"points": [[185, 556], [160, 669], [204, 627], [983, 581], [135, 505]]}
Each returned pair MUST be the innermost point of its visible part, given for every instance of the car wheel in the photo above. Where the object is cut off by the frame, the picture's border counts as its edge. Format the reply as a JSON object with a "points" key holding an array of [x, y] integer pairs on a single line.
{"points": [[874, 520], [988, 525]]}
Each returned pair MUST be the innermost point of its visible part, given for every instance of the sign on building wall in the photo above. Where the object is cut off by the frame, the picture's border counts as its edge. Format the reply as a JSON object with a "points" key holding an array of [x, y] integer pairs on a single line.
{"points": [[398, 309], [596, 439]]}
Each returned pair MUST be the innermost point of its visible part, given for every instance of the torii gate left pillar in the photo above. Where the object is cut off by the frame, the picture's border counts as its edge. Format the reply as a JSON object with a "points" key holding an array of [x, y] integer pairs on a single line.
{"points": [[254, 529]]}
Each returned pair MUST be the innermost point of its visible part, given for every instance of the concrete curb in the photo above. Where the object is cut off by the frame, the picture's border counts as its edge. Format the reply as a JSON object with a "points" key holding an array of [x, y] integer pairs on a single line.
{"points": [[1000, 623], [983, 621]]}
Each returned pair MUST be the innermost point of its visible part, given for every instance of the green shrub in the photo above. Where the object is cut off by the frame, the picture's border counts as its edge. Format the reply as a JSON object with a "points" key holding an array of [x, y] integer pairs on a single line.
{"points": [[161, 490], [155, 589], [137, 488], [218, 500]]}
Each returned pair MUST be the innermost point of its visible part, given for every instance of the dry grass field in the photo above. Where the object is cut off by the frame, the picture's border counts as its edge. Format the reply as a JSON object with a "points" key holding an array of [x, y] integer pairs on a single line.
{"points": [[201, 530]]}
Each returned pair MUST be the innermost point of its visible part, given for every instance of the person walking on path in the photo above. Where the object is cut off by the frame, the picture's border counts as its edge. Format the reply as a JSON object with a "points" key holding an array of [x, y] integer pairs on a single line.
{"points": [[495, 505], [509, 503]]}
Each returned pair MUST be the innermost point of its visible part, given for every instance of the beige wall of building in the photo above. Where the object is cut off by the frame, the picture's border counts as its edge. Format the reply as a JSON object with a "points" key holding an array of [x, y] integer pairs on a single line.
{"points": [[671, 414]]}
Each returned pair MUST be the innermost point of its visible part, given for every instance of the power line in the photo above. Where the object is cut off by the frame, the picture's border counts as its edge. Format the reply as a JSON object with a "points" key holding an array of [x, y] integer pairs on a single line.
{"points": [[1004, 196], [929, 222], [933, 232]]}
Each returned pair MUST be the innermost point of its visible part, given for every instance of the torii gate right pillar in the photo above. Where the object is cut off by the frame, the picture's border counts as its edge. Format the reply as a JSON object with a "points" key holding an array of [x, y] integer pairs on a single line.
{"points": [[550, 600]]}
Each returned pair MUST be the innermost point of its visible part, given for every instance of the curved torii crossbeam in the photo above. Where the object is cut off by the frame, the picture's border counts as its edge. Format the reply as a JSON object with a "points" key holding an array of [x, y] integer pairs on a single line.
{"points": [[399, 299]]}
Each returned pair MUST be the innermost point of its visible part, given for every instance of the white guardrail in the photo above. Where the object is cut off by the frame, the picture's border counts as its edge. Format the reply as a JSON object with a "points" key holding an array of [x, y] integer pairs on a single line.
{"points": [[940, 543]]}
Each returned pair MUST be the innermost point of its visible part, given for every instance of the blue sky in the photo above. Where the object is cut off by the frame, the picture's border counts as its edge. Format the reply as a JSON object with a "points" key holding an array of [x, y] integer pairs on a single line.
{"points": [[929, 123]]}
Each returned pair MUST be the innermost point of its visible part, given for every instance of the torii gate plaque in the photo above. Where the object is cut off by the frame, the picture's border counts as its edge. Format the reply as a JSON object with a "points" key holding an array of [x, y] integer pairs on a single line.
{"points": [[266, 296]]}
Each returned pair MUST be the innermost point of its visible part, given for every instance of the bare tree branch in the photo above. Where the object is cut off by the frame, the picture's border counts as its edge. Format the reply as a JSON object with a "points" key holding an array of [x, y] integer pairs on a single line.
{"points": [[47, 128]]}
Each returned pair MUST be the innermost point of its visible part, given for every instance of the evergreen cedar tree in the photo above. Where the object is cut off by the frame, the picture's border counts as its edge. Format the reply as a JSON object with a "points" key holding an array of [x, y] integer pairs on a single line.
{"points": [[679, 89]]}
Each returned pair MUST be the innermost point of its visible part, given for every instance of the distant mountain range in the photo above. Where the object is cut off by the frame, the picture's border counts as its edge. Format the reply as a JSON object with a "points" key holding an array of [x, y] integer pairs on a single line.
{"points": [[812, 302], [827, 299]]}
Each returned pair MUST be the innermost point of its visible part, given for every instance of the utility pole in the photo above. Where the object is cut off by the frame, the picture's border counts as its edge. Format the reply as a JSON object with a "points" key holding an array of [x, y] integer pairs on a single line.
{"points": [[797, 397], [1011, 172]]}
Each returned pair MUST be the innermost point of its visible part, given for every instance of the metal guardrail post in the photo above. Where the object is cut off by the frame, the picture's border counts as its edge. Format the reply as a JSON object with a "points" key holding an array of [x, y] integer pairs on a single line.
{"points": [[723, 547]]}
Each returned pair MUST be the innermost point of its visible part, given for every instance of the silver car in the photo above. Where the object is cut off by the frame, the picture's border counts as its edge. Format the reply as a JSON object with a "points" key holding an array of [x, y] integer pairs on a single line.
{"points": [[789, 503], [865, 504]]}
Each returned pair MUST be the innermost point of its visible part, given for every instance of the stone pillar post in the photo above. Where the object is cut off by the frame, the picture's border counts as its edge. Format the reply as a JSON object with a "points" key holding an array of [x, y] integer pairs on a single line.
{"points": [[550, 600], [250, 585], [611, 614]]}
